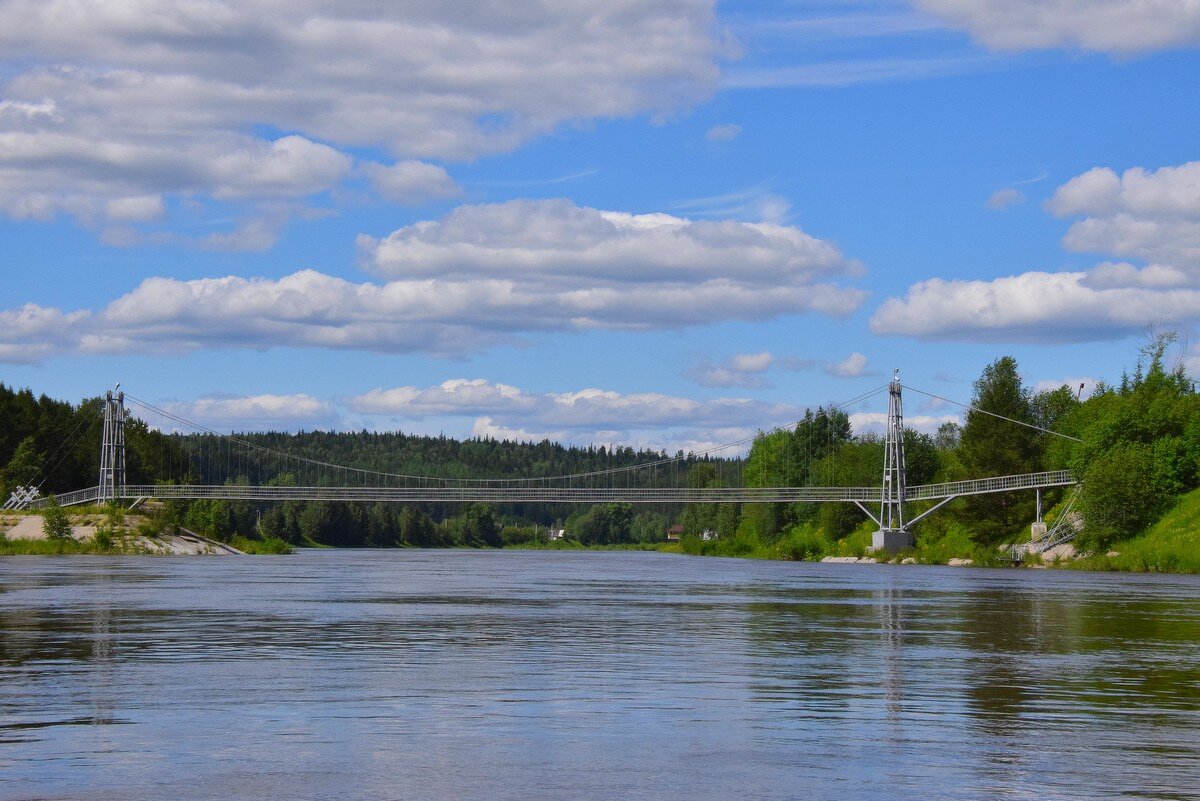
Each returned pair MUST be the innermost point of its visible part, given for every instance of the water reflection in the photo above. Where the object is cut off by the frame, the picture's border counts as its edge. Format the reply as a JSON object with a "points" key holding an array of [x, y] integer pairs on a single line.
{"points": [[514, 675]]}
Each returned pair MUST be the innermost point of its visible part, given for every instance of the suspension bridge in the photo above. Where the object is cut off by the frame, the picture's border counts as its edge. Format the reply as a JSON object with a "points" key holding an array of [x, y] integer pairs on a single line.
{"points": [[886, 503]]}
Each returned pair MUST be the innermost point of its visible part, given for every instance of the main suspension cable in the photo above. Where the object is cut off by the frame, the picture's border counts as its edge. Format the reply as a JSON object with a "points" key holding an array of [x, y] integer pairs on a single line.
{"points": [[970, 408]]}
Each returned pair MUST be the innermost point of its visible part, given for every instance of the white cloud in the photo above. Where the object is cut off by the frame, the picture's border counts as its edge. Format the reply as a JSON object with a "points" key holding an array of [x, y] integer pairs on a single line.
{"points": [[483, 274], [288, 167], [751, 362], [723, 133], [101, 101], [135, 209], [1111, 26], [411, 182], [253, 411], [852, 366], [1031, 307], [1003, 198], [31, 333], [457, 396], [559, 241], [740, 370], [1117, 275], [1153, 216]]}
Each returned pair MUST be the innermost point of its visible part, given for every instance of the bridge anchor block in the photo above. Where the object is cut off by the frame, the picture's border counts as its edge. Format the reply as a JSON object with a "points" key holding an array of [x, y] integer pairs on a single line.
{"points": [[891, 540]]}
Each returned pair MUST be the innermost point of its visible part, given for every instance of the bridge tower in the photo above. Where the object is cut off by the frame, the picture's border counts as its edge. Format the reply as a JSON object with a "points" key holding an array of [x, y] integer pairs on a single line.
{"points": [[112, 448], [893, 533]]}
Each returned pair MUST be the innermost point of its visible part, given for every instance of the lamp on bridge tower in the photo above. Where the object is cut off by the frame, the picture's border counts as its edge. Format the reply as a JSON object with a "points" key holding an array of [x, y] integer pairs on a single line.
{"points": [[893, 533], [112, 448]]}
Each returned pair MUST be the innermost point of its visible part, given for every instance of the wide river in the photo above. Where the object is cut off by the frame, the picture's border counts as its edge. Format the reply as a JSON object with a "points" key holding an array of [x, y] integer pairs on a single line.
{"points": [[549, 675]]}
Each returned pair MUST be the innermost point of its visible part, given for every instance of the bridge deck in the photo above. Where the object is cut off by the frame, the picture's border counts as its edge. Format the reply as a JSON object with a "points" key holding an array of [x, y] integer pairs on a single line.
{"points": [[534, 494]]}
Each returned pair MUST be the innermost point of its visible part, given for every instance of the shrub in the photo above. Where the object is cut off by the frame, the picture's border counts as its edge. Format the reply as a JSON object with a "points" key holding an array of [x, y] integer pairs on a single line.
{"points": [[55, 522], [103, 538]]}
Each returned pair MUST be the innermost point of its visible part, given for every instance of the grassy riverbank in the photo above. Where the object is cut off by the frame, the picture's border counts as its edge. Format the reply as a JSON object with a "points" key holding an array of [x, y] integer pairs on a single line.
{"points": [[809, 543], [113, 531], [117, 546], [1172, 545]]}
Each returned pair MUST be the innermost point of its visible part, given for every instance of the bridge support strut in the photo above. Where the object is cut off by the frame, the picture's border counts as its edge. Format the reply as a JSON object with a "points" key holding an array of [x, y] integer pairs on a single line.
{"points": [[893, 534]]}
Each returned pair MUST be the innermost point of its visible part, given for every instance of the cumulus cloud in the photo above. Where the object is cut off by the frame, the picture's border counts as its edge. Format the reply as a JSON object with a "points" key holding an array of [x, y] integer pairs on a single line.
{"points": [[250, 412], [562, 242], [1031, 307], [1110, 26], [31, 333], [1148, 215], [1144, 214], [740, 370], [105, 103], [482, 275], [852, 366], [411, 182], [457, 396]]}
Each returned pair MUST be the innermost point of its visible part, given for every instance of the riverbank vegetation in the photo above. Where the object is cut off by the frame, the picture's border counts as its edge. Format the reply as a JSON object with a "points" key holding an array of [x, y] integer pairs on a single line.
{"points": [[1135, 444]]}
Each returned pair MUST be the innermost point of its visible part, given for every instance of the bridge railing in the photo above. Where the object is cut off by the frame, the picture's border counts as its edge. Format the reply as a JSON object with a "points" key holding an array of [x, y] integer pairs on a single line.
{"points": [[75, 498], [981, 486], [242, 492]]}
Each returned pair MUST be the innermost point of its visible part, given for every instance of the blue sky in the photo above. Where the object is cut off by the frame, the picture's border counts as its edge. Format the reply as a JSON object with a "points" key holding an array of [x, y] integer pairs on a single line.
{"points": [[664, 223]]}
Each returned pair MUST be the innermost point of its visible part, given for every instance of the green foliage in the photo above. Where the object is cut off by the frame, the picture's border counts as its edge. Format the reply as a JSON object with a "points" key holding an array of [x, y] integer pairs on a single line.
{"points": [[803, 543], [650, 527], [991, 446], [265, 545], [1140, 449], [55, 522], [114, 517], [23, 468], [603, 524], [1171, 545], [808, 455], [476, 527], [103, 538], [47, 547], [1123, 493]]}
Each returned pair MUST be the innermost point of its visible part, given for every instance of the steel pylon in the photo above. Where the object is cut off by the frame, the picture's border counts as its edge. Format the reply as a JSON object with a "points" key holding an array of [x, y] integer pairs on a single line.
{"points": [[112, 449]]}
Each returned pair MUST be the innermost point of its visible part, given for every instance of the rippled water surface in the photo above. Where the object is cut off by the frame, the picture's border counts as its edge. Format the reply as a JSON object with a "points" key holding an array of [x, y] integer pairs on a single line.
{"points": [[530, 675]]}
